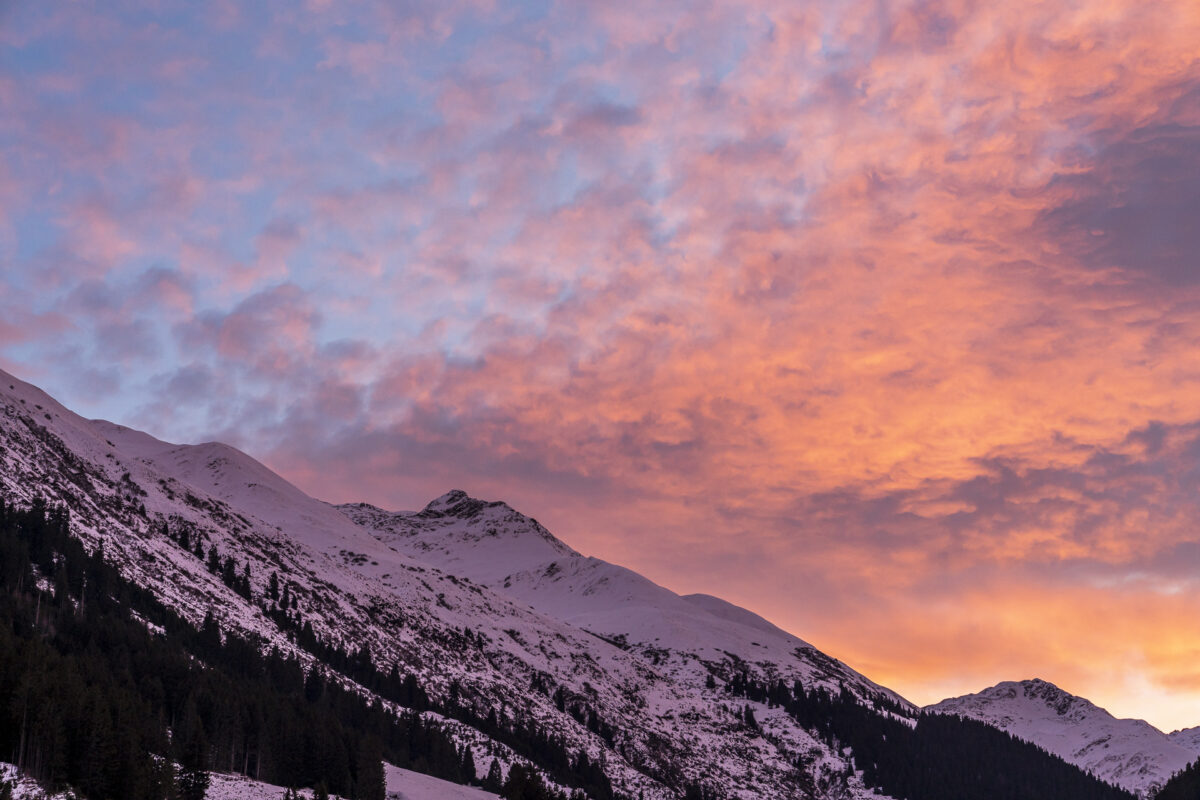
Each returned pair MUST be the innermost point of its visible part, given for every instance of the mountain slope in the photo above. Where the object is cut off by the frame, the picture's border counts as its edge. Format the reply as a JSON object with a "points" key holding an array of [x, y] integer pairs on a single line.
{"points": [[531, 653], [1188, 738], [657, 728], [688, 637], [1128, 752]]}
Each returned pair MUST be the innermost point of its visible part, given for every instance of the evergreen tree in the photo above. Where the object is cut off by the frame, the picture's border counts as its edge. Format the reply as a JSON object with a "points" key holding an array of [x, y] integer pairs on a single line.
{"points": [[748, 718], [371, 781], [1183, 785], [494, 781], [101, 749], [468, 765], [193, 756]]}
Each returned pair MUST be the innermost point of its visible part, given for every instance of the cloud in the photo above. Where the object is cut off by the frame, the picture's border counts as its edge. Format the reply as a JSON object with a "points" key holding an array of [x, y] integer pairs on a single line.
{"points": [[1128, 208], [879, 316]]}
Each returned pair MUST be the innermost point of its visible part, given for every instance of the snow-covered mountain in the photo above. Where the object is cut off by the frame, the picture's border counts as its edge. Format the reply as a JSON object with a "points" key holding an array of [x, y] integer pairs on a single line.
{"points": [[482, 604], [469, 596], [687, 637], [1188, 738], [1128, 752]]}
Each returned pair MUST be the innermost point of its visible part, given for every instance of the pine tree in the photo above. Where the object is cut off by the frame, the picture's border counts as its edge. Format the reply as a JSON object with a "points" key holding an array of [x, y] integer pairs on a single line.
{"points": [[101, 752], [495, 777], [748, 718], [229, 572], [193, 756], [371, 782], [468, 765]]}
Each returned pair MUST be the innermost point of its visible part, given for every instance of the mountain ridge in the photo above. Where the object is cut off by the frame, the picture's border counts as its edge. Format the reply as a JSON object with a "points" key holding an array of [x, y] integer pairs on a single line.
{"points": [[122, 487], [1129, 752], [672, 694]]}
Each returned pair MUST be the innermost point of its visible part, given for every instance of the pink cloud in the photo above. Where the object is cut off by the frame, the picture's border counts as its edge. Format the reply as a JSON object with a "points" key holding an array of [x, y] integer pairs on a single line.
{"points": [[889, 306]]}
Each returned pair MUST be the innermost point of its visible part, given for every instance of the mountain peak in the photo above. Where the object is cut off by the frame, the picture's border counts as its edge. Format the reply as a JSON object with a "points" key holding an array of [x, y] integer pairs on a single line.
{"points": [[457, 503], [1052, 696], [466, 535], [1128, 752]]}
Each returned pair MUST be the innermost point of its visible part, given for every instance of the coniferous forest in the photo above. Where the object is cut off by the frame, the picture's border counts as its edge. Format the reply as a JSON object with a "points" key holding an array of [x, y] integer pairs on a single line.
{"points": [[941, 757], [102, 688], [1183, 785]]}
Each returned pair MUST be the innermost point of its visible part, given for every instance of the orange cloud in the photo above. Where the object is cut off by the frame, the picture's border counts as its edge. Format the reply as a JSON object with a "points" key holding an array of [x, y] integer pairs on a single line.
{"points": [[879, 318]]}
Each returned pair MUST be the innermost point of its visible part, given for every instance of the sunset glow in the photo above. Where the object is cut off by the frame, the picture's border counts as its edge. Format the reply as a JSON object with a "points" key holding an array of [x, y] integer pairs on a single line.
{"points": [[881, 319]]}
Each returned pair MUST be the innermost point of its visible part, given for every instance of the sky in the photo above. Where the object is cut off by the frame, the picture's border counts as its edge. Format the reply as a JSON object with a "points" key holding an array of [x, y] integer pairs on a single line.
{"points": [[880, 318]]}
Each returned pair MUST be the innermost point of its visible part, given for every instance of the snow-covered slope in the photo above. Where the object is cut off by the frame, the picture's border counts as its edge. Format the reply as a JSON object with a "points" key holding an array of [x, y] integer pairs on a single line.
{"points": [[463, 592], [688, 637], [1188, 738], [1128, 752], [26, 788], [402, 784]]}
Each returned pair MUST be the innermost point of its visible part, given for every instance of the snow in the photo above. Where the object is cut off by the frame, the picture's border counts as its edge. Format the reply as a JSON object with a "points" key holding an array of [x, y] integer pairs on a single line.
{"points": [[237, 787], [1131, 753], [25, 788], [494, 545], [407, 585], [1188, 738], [403, 784]]}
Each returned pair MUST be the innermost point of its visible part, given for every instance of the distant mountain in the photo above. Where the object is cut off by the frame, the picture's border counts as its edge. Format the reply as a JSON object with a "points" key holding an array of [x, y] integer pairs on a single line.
{"points": [[1128, 752], [1188, 738]]}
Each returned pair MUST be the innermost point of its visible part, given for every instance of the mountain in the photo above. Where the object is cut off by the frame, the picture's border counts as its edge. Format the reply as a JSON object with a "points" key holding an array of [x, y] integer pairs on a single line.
{"points": [[1188, 738], [664, 727], [1128, 752], [466, 635], [686, 637]]}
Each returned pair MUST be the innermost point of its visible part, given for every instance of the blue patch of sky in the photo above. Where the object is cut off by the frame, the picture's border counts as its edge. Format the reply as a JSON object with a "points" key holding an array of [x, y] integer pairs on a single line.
{"points": [[37, 231], [724, 62], [37, 57]]}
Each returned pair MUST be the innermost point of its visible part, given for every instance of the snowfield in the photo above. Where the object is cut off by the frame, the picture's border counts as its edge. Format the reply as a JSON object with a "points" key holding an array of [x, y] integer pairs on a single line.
{"points": [[403, 784]]}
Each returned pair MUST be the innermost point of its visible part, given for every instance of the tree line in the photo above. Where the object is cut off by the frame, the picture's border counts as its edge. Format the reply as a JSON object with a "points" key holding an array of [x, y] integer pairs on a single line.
{"points": [[935, 757], [105, 690]]}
